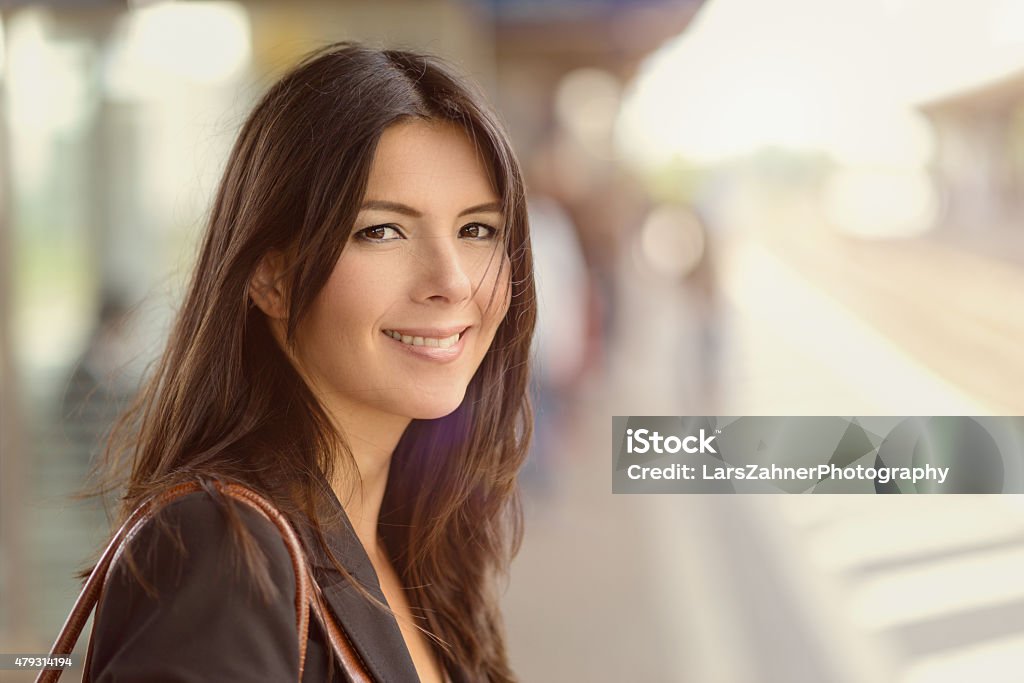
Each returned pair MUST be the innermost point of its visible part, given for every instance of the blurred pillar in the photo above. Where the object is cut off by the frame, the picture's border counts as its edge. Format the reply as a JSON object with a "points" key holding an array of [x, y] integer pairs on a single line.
{"points": [[13, 469]]}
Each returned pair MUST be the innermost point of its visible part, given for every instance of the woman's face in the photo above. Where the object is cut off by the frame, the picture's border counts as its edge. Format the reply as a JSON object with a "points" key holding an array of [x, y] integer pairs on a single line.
{"points": [[403, 322]]}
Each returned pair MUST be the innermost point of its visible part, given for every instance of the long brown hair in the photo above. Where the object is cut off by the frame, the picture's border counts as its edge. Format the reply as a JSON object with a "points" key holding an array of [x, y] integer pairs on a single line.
{"points": [[223, 402]]}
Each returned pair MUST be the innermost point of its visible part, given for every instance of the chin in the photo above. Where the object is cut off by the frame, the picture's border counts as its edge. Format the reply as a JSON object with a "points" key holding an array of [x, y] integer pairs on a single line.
{"points": [[433, 414], [428, 407], [435, 411]]}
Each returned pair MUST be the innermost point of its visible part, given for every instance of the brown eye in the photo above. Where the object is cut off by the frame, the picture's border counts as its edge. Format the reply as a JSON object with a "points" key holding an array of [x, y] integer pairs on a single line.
{"points": [[379, 233], [478, 231]]}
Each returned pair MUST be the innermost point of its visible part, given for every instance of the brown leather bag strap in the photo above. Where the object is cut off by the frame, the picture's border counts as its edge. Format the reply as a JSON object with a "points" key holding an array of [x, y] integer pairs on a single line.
{"points": [[351, 663], [307, 593]]}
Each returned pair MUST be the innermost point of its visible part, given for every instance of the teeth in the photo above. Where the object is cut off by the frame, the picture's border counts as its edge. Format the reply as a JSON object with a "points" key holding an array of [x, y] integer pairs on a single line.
{"points": [[433, 342]]}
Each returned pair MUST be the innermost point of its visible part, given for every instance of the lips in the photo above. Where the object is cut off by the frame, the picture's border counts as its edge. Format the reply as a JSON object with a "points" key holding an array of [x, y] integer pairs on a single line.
{"points": [[439, 344], [422, 340], [433, 332]]}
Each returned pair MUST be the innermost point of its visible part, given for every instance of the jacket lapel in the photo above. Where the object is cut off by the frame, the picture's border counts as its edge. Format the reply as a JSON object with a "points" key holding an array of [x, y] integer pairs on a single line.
{"points": [[373, 632]]}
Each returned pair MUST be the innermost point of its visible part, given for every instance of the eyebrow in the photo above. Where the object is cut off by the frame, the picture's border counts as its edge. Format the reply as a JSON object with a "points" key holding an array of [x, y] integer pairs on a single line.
{"points": [[406, 210]]}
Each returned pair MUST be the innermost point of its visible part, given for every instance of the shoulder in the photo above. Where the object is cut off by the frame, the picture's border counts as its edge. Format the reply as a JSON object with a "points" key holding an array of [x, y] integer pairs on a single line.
{"points": [[205, 600], [204, 521], [197, 529], [202, 512]]}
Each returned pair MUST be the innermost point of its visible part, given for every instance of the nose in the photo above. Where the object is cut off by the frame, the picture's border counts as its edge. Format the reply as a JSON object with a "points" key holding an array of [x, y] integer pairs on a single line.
{"points": [[446, 272]]}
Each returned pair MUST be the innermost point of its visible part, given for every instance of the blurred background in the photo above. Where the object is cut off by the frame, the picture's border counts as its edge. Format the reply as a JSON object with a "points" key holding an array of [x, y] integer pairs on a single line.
{"points": [[796, 207]]}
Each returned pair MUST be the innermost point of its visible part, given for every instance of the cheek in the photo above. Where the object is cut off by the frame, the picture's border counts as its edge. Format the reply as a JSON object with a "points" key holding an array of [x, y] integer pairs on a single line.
{"points": [[341, 314], [355, 281], [499, 293], [358, 291]]}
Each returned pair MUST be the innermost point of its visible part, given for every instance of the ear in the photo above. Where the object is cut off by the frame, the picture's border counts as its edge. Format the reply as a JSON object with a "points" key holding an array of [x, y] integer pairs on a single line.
{"points": [[267, 288]]}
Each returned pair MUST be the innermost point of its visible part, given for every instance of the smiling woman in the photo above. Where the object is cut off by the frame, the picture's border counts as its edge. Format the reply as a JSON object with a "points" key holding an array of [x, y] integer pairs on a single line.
{"points": [[427, 272], [353, 349]]}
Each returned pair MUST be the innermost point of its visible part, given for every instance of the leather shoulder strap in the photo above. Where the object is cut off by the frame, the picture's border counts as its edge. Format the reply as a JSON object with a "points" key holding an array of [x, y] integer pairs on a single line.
{"points": [[347, 655], [352, 664], [91, 591]]}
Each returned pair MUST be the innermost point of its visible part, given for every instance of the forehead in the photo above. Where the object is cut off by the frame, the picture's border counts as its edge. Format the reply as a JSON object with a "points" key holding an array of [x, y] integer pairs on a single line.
{"points": [[429, 164]]}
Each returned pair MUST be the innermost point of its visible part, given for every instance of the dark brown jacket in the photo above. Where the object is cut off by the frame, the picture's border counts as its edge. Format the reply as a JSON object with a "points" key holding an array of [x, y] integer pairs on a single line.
{"points": [[208, 623]]}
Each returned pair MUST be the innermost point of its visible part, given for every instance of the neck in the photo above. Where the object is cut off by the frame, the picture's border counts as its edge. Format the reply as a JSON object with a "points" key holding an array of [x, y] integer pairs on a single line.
{"points": [[372, 438]]}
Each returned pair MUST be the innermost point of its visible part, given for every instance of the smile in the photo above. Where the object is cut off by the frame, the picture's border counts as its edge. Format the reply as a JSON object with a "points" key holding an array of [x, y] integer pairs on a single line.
{"points": [[433, 342], [438, 345]]}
